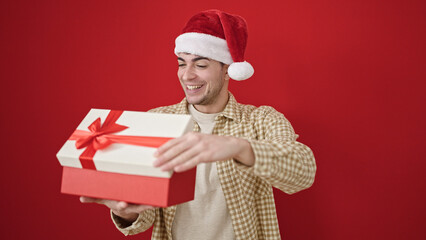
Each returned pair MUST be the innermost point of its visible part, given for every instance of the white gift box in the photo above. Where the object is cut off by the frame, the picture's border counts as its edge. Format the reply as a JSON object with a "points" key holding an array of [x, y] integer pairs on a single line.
{"points": [[122, 169], [126, 158]]}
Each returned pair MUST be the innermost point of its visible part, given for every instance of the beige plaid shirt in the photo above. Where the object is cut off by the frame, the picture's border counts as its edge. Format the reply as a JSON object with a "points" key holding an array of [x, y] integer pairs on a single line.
{"points": [[280, 161]]}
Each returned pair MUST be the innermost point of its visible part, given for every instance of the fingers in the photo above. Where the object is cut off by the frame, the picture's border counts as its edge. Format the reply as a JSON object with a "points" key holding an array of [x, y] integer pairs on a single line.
{"points": [[119, 208], [138, 208], [170, 152], [174, 149], [84, 199], [129, 211], [187, 165], [186, 152], [163, 148], [109, 203], [189, 156]]}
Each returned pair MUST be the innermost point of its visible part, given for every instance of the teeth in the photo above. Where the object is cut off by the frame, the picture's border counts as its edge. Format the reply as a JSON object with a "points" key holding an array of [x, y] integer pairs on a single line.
{"points": [[192, 87]]}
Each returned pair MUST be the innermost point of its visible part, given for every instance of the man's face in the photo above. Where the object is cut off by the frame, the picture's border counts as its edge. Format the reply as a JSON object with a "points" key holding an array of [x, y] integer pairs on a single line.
{"points": [[204, 81]]}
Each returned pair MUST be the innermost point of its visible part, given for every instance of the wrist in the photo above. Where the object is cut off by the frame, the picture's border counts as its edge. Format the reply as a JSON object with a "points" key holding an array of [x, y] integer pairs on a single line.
{"points": [[245, 154]]}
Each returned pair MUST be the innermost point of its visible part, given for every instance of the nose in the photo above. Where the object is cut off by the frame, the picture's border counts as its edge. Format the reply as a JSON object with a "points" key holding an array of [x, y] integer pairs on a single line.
{"points": [[188, 73]]}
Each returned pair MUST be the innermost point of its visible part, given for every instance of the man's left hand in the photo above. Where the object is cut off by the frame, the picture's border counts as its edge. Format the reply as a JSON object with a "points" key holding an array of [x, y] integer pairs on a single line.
{"points": [[186, 152]]}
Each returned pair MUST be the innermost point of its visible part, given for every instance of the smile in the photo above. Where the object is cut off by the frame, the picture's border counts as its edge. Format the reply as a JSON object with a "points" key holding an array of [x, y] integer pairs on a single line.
{"points": [[192, 87]]}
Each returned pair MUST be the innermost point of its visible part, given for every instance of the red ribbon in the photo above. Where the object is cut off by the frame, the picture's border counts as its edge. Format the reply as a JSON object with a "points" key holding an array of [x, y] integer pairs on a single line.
{"points": [[100, 137]]}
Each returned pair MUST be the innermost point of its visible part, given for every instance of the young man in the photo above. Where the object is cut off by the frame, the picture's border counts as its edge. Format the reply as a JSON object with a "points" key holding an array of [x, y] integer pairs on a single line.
{"points": [[240, 151]]}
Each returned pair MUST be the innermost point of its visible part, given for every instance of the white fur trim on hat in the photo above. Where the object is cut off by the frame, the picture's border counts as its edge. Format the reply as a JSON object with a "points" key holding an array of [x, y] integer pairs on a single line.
{"points": [[240, 70], [203, 45]]}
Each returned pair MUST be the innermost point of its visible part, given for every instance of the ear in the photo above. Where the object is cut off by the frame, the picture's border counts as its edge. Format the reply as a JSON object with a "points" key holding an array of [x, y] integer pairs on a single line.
{"points": [[225, 68]]}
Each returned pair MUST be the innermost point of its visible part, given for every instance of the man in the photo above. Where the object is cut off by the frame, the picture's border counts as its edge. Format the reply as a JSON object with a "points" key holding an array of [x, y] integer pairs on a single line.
{"points": [[240, 151]]}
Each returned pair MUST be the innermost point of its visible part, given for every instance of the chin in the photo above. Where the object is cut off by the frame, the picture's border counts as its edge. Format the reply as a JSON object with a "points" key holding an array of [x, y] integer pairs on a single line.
{"points": [[196, 100], [193, 100]]}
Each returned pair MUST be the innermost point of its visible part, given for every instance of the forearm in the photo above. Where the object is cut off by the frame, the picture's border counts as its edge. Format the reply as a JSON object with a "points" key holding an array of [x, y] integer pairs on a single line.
{"points": [[289, 166], [278, 158]]}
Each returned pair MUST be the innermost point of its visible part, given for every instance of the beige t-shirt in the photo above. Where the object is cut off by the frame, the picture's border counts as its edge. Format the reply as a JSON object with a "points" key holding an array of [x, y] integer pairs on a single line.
{"points": [[207, 216]]}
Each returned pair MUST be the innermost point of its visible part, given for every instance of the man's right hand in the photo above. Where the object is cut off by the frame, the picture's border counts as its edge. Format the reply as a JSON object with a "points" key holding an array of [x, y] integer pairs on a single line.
{"points": [[126, 211]]}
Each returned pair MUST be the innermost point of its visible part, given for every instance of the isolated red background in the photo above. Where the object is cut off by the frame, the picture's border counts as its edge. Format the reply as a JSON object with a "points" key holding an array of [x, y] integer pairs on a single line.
{"points": [[349, 75]]}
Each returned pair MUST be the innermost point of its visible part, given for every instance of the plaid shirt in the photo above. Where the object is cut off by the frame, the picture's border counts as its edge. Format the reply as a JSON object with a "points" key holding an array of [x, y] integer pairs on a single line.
{"points": [[280, 161]]}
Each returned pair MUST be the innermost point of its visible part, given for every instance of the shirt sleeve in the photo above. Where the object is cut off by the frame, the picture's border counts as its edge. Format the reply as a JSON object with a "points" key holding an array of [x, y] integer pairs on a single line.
{"points": [[279, 159], [141, 224]]}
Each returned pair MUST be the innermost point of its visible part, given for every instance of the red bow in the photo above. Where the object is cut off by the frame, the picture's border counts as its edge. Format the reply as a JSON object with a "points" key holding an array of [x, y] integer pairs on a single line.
{"points": [[100, 137]]}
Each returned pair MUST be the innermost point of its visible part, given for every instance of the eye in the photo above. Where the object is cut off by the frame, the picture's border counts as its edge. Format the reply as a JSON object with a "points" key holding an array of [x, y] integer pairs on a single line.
{"points": [[201, 66], [181, 65]]}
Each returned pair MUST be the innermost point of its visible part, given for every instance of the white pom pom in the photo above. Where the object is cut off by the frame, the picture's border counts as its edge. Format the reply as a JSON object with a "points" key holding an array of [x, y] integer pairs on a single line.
{"points": [[240, 70]]}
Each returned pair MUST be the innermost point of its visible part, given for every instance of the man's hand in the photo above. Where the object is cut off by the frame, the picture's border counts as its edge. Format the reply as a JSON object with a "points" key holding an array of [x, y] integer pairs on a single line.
{"points": [[186, 152], [126, 211]]}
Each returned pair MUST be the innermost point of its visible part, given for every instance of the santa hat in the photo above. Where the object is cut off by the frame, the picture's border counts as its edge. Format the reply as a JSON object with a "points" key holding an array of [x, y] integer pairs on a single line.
{"points": [[220, 36]]}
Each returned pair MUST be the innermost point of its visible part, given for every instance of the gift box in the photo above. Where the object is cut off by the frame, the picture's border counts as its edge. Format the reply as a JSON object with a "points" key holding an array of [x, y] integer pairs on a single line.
{"points": [[110, 156]]}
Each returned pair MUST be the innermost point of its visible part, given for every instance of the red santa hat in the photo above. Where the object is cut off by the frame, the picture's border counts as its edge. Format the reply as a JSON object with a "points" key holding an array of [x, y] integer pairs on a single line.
{"points": [[220, 36]]}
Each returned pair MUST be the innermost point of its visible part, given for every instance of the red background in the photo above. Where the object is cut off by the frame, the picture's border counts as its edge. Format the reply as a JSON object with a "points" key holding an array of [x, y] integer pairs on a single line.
{"points": [[349, 75]]}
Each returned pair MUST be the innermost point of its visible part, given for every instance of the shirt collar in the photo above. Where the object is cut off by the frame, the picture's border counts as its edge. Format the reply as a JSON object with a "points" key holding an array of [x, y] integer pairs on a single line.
{"points": [[231, 110]]}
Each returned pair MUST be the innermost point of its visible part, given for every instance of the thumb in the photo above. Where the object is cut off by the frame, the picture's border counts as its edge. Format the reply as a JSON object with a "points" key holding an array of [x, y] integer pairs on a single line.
{"points": [[122, 205], [84, 199]]}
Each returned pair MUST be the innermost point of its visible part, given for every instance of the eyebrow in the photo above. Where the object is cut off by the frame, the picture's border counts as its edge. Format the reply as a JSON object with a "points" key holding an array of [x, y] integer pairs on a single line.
{"points": [[194, 59]]}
